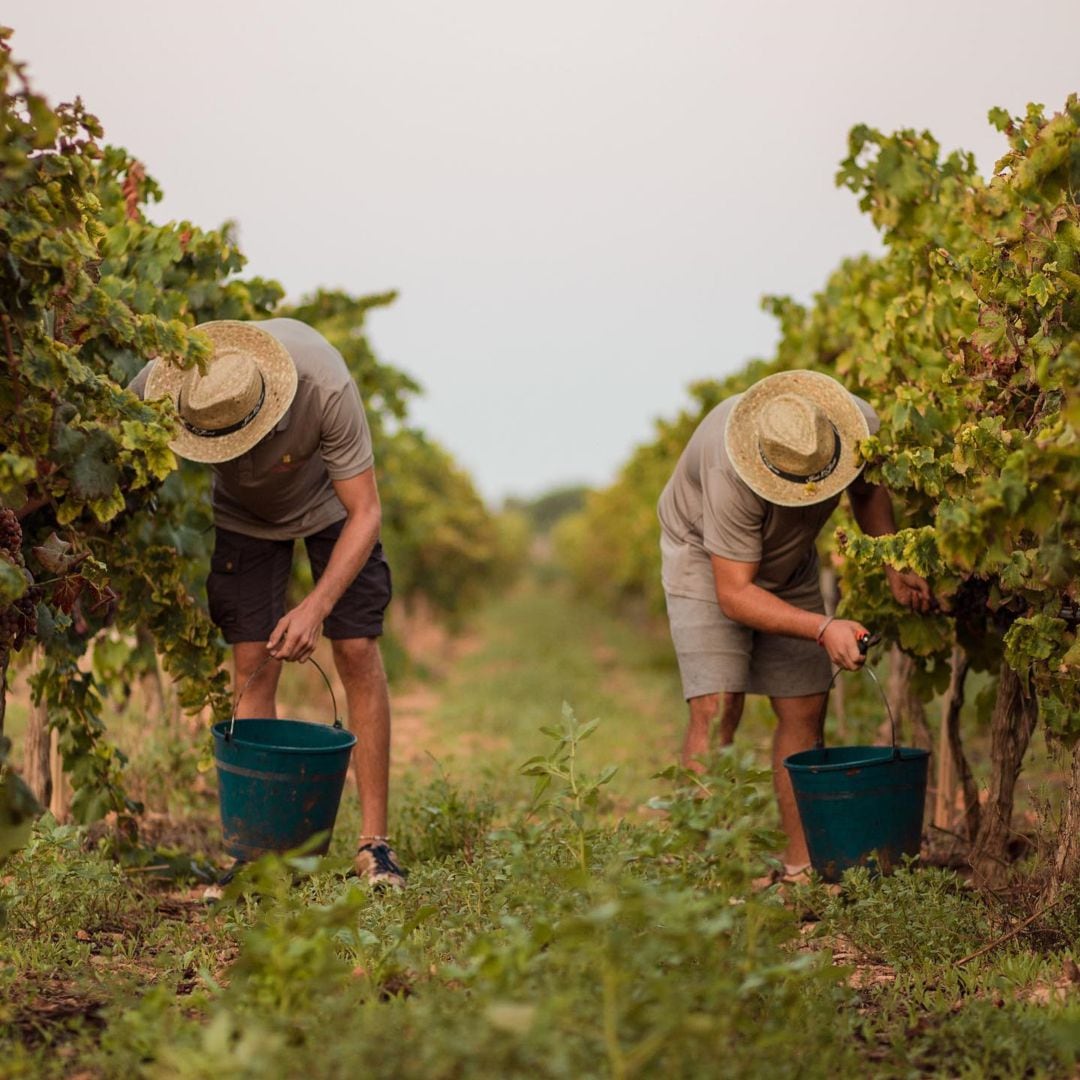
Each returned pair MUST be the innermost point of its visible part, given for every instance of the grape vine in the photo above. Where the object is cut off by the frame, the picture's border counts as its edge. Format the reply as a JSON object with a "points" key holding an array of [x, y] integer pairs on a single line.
{"points": [[965, 337], [102, 526], [18, 621]]}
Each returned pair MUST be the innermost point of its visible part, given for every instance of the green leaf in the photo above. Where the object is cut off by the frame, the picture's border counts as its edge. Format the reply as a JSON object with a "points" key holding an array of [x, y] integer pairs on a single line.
{"points": [[18, 807], [13, 581], [1040, 289], [93, 476]]}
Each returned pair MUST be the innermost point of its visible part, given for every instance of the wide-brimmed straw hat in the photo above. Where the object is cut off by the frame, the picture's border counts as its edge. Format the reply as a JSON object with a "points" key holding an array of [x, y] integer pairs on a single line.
{"points": [[792, 437], [250, 381]]}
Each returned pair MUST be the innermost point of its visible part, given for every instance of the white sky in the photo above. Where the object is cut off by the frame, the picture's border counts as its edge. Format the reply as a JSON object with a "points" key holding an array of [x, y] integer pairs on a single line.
{"points": [[580, 202]]}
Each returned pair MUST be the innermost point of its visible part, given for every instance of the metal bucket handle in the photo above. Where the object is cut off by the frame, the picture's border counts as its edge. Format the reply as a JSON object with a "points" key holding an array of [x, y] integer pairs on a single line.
{"points": [[265, 660], [865, 643]]}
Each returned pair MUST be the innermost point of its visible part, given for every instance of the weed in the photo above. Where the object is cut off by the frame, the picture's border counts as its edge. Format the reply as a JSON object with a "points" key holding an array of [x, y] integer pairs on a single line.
{"points": [[913, 919], [438, 820]]}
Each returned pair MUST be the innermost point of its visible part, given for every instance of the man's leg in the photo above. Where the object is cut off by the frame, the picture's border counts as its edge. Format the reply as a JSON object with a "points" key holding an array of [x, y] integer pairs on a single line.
{"points": [[257, 692], [797, 728], [726, 709], [359, 663], [246, 591]]}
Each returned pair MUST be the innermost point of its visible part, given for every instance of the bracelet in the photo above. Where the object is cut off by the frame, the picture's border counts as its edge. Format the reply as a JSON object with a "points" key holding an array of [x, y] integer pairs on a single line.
{"points": [[822, 628], [368, 839]]}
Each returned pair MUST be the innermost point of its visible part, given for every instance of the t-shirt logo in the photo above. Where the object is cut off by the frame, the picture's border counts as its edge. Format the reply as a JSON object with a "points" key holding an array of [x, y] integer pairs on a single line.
{"points": [[286, 464]]}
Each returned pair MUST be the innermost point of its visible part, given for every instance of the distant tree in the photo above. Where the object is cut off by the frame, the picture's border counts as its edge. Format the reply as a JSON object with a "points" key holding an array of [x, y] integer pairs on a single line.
{"points": [[545, 510]]}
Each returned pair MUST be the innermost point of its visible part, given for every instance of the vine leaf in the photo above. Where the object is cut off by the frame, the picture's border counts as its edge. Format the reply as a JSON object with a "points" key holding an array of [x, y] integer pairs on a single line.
{"points": [[67, 592], [18, 807], [13, 581], [92, 475], [55, 555]]}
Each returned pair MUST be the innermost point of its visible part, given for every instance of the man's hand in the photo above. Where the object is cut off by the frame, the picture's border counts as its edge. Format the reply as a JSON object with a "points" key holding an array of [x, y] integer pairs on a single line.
{"points": [[910, 590], [297, 632], [841, 641], [873, 511]]}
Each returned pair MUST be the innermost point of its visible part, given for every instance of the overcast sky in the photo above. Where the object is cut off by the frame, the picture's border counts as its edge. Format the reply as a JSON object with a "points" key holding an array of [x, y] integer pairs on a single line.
{"points": [[580, 202]]}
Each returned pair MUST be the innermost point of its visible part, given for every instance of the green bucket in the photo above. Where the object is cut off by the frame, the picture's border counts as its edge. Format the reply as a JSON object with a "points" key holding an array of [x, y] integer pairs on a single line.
{"points": [[280, 781], [860, 805]]}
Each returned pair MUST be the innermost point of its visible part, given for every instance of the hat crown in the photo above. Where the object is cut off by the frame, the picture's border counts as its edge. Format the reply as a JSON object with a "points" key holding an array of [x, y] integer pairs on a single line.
{"points": [[229, 392], [795, 436]]}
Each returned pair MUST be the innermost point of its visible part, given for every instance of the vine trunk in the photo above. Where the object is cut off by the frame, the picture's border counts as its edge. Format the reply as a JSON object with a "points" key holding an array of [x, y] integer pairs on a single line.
{"points": [[1067, 857], [1011, 727]]}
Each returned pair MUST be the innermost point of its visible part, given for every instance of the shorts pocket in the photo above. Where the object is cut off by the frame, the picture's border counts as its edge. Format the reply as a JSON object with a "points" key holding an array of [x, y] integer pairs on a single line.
{"points": [[226, 559], [221, 582]]}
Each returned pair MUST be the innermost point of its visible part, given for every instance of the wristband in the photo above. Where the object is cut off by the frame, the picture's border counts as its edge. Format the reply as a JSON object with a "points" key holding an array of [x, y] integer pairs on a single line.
{"points": [[822, 628]]}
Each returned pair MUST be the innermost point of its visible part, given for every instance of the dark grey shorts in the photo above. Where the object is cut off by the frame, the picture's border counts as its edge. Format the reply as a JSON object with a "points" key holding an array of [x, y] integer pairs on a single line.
{"points": [[717, 655], [248, 578]]}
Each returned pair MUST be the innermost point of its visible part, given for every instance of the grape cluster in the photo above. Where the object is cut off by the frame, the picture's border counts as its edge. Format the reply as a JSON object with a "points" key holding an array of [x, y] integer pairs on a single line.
{"points": [[978, 625], [971, 602], [970, 606], [18, 621], [10, 534]]}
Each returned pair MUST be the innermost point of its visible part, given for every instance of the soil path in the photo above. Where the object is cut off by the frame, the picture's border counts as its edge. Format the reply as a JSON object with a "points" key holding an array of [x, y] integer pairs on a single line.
{"points": [[487, 695]]}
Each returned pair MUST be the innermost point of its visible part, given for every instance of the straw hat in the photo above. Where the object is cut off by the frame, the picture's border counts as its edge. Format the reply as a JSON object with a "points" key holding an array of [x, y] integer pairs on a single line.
{"points": [[792, 438], [250, 381]]}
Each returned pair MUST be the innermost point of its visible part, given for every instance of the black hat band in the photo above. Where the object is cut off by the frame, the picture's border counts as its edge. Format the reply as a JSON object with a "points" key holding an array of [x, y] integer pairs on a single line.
{"points": [[217, 433], [810, 478]]}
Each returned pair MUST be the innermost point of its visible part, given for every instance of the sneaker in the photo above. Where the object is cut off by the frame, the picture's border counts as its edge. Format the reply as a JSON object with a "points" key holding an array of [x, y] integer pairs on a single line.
{"points": [[213, 893], [377, 864]]}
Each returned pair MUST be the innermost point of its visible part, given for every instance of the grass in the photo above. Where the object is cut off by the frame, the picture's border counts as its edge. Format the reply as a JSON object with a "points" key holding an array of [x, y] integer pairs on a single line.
{"points": [[498, 697], [601, 925]]}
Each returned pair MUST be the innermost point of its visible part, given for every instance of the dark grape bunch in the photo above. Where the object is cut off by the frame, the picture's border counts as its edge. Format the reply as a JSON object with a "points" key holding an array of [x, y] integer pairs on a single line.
{"points": [[970, 606], [11, 535], [18, 621]]}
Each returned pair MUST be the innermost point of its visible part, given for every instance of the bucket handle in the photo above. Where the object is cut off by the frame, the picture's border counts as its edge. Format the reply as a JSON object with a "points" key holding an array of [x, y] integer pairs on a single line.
{"points": [[262, 663], [865, 643]]}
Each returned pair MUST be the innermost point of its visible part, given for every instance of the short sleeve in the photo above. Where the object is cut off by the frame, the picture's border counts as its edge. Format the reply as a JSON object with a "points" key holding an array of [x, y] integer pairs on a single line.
{"points": [[732, 516], [138, 385], [345, 440], [872, 421]]}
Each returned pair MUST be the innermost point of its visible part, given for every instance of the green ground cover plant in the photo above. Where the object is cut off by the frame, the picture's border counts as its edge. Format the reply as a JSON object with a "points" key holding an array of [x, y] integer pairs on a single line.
{"points": [[564, 945], [554, 925], [584, 948]]}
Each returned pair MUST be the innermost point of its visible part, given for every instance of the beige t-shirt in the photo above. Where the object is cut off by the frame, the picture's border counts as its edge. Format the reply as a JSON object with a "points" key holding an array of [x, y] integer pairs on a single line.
{"points": [[706, 509], [282, 488]]}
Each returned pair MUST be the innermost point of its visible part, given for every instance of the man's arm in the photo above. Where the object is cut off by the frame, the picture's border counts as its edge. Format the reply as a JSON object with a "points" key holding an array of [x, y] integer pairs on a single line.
{"points": [[297, 633], [744, 602], [872, 507]]}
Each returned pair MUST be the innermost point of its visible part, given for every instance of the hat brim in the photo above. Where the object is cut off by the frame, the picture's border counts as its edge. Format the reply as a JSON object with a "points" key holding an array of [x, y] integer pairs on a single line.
{"points": [[740, 437], [279, 380]]}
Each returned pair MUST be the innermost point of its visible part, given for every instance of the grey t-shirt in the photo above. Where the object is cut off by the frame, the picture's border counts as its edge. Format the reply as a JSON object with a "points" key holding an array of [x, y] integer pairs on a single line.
{"points": [[282, 488], [706, 509]]}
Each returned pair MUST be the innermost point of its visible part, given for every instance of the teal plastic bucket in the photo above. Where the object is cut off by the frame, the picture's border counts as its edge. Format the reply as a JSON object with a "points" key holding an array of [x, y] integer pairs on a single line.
{"points": [[280, 781], [860, 805]]}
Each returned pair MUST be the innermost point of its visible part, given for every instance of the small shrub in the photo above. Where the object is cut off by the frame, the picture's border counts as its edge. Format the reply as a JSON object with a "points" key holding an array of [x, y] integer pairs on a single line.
{"points": [[996, 1041], [913, 918], [437, 820], [56, 888]]}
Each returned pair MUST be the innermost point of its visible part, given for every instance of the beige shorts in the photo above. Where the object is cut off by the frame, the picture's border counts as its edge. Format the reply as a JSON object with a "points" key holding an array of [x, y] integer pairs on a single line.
{"points": [[719, 656]]}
